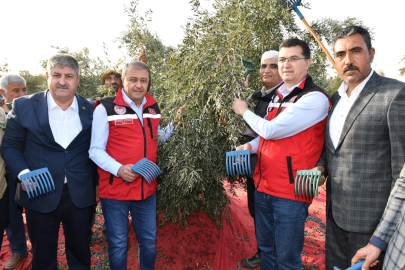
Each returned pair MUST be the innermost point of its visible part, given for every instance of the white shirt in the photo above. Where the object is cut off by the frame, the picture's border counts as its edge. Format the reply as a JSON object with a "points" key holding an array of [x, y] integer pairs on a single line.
{"points": [[65, 125], [309, 110], [342, 108], [101, 129]]}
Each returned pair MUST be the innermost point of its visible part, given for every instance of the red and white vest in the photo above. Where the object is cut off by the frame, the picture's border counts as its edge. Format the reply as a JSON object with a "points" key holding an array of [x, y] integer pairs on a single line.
{"points": [[128, 142], [279, 160]]}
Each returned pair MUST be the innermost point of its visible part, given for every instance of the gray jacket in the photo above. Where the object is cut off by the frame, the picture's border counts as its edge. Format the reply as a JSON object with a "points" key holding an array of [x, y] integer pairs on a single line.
{"points": [[392, 226], [369, 156]]}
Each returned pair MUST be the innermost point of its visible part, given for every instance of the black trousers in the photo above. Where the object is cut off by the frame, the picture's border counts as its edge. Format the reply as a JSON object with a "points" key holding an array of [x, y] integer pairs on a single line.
{"points": [[3, 215], [342, 245], [43, 229], [250, 185]]}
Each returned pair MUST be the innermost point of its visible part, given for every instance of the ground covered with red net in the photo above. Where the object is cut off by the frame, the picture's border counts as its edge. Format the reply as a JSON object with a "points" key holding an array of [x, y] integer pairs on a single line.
{"points": [[202, 245]]}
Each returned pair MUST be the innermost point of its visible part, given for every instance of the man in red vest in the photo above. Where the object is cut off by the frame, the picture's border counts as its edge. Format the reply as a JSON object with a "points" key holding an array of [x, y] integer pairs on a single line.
{"points": [[125, 130], [291, 137]]}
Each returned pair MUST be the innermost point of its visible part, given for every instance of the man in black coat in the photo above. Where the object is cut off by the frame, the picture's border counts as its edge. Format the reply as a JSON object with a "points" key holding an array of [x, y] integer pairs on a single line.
{"points": [[271, 80]]}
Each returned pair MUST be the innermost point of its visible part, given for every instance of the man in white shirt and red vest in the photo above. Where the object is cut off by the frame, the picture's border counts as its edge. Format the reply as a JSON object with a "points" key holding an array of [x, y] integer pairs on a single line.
{"points": [[291, 137], [125, 130]]}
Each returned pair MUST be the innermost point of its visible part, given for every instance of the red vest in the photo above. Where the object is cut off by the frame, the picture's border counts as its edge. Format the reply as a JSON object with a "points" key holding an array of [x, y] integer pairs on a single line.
{"points": [[279, 160], [128, 142]]}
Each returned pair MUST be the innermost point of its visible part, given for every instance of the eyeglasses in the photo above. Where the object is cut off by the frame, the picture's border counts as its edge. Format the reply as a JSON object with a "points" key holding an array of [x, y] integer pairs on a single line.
{"points": [[291, 59]]}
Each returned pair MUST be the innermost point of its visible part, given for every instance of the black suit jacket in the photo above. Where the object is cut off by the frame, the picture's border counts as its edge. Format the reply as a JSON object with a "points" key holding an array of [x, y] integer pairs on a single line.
{"points": [[29, 143]]}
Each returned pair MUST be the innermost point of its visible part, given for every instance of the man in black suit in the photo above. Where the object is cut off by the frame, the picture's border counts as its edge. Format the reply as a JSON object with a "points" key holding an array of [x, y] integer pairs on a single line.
{"points": [[52, 129]]}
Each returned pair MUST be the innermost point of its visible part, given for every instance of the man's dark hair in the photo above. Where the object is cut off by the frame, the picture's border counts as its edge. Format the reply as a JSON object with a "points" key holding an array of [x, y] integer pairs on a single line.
{"points": [[351, 30], [292, 42]]}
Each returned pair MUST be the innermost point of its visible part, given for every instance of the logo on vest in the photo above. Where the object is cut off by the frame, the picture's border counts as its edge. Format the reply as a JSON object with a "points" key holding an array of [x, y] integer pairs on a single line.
{"points": [[152, 111], [276, 99], [120, 109]]}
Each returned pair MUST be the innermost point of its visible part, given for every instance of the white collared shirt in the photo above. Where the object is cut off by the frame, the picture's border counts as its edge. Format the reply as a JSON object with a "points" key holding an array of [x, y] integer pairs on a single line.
{"points": [[342, 108], [309, 110], [65, 125], [100, 131]]}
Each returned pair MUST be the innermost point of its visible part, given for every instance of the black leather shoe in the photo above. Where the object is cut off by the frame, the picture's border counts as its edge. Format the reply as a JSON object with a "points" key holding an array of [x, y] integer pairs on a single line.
{"points": [[252, 262]]}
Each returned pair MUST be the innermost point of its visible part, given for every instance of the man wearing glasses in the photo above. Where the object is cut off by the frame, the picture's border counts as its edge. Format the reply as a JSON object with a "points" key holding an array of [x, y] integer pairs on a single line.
{"points": [[291, 137]]}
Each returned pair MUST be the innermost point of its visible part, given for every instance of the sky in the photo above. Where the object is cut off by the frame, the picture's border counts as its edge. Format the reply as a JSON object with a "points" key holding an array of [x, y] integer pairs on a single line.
{"points": [[30, 28]]}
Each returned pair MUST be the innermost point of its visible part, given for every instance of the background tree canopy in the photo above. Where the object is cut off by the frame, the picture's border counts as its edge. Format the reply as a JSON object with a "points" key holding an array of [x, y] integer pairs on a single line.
{"points": [[204, 73]]}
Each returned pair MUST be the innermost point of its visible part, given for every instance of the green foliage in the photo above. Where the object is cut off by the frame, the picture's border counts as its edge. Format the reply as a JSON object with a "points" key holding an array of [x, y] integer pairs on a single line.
{"points": [[60, 267], [381, 72], [138, 36], [333, 85], [35, 82], [4, 67], [402, 70]]}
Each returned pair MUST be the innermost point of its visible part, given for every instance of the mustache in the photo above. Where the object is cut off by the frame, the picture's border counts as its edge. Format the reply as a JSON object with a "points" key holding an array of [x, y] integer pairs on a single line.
{"points": [[346, 68], [62, 86]]}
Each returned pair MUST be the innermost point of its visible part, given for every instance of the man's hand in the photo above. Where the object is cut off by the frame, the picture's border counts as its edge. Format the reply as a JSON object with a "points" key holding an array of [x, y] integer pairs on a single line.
{"points": [[126, 173], [239, 106], [322, 169], [246, 146], [246, 83], [370, 254], [30, 185], [178, 118], [142, 57]]}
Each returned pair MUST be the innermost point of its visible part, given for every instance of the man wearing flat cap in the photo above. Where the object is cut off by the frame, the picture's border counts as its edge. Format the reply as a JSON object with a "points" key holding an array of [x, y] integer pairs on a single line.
{"points": [[111, 78]]}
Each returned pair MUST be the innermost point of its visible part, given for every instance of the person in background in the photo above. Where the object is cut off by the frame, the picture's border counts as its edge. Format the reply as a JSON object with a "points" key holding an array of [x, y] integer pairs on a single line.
{"points": [[271, 80], [12, 87], [111, 78], [3, 182], [390, 231]]}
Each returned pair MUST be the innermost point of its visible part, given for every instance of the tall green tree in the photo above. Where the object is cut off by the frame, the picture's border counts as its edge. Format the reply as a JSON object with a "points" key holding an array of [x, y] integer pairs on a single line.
{"points": [[35, 82], [4, 67]]}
